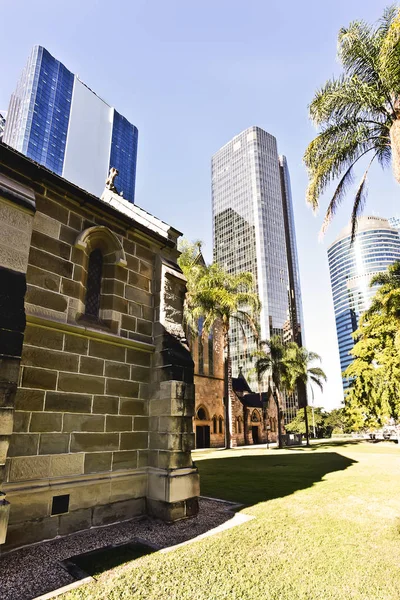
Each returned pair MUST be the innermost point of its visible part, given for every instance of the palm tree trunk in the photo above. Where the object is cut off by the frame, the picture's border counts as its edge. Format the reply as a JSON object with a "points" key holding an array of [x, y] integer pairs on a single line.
{"points": [[278, 406], [306, 424], [228, 392], [395, 144]]}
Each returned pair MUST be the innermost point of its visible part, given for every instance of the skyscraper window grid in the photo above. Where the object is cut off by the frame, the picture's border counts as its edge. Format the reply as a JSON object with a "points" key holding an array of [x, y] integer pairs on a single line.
{"points": [[123, 154]]}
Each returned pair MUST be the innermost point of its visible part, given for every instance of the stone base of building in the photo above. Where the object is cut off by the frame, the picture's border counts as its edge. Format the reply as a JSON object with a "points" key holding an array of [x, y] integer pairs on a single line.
{"points": [[93, 502], [38, 530], [173, 494], [173, 511]]}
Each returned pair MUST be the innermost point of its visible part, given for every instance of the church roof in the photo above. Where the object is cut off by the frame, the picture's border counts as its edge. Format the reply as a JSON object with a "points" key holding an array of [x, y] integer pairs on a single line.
{"points": [[239, 384], [254, 400]]}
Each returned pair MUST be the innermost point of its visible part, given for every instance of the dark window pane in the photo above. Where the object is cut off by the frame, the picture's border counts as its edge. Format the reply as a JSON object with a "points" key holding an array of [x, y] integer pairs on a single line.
{"points": [[93, 287]]}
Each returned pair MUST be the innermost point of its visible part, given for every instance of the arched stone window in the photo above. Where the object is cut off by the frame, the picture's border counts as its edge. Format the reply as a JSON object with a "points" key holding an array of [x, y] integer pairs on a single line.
{"points": [[103, 238], [255, 418], [215, 428], [220, 425], [93, 285], [201, 414], [99, 255], [239, 425]]}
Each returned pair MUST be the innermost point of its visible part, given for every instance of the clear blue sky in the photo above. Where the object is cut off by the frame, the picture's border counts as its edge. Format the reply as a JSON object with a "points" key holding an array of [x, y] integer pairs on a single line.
{"points": [[191, 75]]}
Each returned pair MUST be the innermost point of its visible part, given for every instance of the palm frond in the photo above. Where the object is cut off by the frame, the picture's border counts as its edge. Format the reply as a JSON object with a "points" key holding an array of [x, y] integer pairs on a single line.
{"points": [[359, 201], [355, 112], [317, 382], [338, 196], [389, 54]]}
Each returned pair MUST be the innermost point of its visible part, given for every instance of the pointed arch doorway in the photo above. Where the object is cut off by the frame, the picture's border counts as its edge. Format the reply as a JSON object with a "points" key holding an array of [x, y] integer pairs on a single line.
{"points": [[202, 429]]}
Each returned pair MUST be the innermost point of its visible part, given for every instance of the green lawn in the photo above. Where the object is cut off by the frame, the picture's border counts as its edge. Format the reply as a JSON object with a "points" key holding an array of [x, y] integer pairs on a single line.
{"points": [[327, 526]]}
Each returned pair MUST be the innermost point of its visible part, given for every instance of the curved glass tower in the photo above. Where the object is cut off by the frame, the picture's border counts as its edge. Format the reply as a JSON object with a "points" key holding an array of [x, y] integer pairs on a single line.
{"points": [[351, 267]]}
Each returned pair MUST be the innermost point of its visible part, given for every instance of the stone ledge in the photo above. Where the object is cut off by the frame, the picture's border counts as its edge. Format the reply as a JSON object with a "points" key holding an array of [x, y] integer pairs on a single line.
{"points": [[17, 193], [79, 480], [89, 333]]}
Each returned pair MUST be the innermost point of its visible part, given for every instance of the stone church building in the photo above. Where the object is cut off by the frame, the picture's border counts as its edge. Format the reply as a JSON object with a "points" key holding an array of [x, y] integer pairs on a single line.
{"points": [[254, 415], [96, 378]]}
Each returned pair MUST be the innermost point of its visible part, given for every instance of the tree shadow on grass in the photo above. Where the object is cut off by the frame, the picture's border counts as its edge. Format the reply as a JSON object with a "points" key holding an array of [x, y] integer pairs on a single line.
{"points": [[325, 444], [253, 479]]}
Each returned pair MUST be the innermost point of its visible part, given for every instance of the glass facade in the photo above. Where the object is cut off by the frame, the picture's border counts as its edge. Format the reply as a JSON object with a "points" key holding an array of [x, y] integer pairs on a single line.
{"points": [[253, 230], [296, 326], [39, 110], [48, 111], [351, 267], [123, 154]]}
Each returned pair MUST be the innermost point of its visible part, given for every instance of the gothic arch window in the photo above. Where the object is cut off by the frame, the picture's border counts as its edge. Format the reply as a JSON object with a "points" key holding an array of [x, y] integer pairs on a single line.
{"points": [[215, 428], [254, 417], [201, 414], [220, 425], [101, 254], [239, 425], [93, 285], [102, 237]]}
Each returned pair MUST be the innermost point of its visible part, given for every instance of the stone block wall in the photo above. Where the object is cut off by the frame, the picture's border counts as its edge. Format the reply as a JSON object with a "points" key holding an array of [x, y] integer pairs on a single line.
{"points": [[99, 432], [17, 209]]}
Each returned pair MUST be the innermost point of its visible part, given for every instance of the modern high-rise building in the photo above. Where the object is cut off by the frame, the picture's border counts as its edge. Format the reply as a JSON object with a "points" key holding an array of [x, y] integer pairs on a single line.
{"points": [[394, 222], [351, 267], [253, 230], [2, 123], [56, 120], [296, 326]]}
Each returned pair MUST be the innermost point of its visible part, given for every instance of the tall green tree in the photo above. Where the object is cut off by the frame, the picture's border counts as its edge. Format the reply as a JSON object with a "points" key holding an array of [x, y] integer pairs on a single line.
{"points": [[357, 113], [217, 296], [375, 372], [336, 421], [271, 360], [288, 366], [299, 423], [302, 371], [325, 422]]}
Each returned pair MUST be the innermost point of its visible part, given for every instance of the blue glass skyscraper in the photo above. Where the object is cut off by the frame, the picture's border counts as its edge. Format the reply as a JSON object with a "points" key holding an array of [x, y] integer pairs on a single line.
{"points": [[351, 266], [56, 120]]}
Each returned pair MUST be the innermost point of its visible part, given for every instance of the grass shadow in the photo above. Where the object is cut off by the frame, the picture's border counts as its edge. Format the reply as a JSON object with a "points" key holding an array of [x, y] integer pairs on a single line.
{"points": [[325, 443], [254, 479]]}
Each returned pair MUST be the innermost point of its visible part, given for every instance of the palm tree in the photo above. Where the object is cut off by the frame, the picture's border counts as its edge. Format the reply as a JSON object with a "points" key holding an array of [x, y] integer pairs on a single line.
{"points": [[357, 113], [273, 362], [300, 372], [217, 296]]}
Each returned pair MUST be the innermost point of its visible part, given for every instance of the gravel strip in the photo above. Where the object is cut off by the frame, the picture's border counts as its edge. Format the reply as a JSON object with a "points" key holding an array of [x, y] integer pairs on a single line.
{"points": [[35, 570]]}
